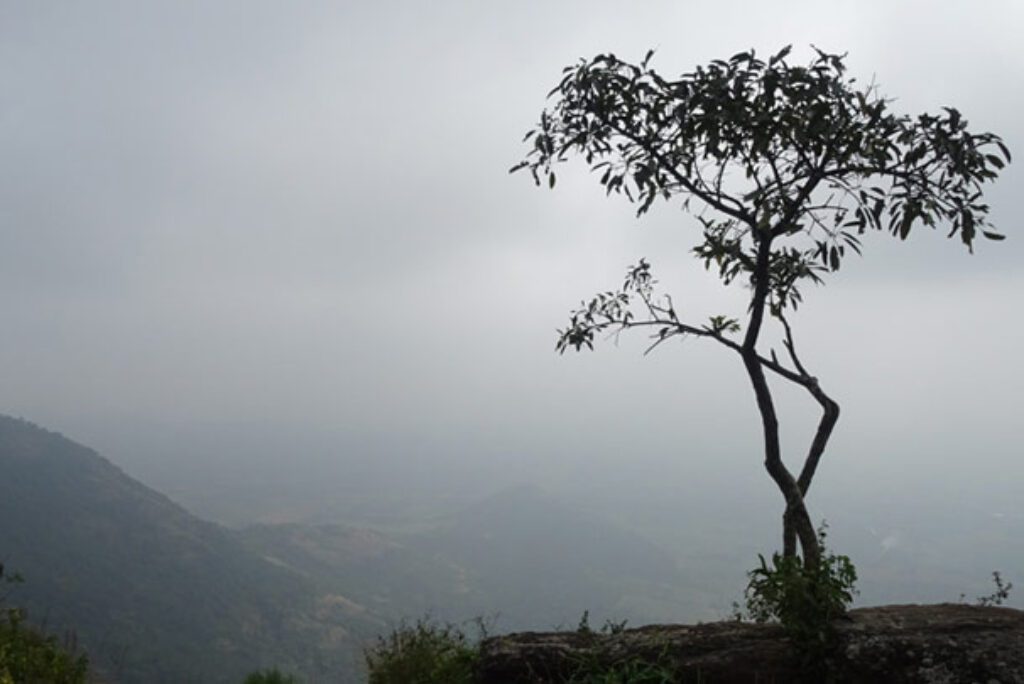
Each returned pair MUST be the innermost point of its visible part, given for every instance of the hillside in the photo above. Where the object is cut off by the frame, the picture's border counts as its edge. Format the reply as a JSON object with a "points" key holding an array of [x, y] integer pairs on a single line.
{"points": [[156, 594], [153, 593]]}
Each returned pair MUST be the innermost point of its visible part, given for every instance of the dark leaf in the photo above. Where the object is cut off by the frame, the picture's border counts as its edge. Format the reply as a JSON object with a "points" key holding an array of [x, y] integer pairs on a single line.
{"points": [[1004, 150], [905, 224], [780, 55]]}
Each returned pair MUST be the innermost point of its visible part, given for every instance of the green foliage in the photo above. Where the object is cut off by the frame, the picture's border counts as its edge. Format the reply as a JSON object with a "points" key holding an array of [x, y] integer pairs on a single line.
{"points": [[584, 624], [805, 600], [629, 672], [270, 676], [821, 157], [27, 655], [801, 160], [429, 653], [609, 626], [424, 653]]}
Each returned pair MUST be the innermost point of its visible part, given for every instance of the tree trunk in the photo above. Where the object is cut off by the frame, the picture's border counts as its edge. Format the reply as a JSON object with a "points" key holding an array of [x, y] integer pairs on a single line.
{"points": [[788, 534], [796, 523]]}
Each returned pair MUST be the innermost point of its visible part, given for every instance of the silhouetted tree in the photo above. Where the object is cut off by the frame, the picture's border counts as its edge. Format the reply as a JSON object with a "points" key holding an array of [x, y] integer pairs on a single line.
{"points": [[786, 166]]}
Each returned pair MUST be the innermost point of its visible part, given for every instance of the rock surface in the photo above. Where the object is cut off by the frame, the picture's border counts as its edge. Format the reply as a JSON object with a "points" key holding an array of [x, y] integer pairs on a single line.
{"points": [[945, 643]]}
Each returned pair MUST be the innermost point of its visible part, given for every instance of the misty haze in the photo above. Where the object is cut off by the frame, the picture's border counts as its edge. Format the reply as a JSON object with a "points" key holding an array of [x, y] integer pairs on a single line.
{"points": [[279, 356]]}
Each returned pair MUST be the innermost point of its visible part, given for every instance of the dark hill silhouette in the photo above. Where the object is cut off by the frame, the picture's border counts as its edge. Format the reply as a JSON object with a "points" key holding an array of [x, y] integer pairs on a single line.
{"points": [[153, 593]]}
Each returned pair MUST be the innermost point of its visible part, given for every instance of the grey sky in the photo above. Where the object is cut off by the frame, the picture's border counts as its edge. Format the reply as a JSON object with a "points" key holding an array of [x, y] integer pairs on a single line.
{"points": [[298, 215]]}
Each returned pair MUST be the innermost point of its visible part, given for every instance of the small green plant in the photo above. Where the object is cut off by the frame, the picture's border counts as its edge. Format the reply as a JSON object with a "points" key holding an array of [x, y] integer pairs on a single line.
{"points": [[27, 655], [271, 676], [424, 653], [612, 627], [592, 670], [806, 600], [630, 672], [584, 625], [1001, 593], [609, 626]]}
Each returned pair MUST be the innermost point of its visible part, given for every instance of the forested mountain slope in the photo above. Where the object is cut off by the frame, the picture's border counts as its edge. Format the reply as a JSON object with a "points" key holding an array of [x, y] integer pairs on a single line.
{"points": [[152, 592]]}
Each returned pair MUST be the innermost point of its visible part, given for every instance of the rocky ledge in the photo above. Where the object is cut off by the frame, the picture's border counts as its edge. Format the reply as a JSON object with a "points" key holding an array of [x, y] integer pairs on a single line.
{"points": [[945, 643]]}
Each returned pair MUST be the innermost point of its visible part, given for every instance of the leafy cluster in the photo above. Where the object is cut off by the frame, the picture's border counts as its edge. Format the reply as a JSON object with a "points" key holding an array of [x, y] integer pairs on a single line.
{"points": [[634, 671], [269, 676], [27, 655], [801, 155], [614, 310], [806, 600], [432, 653], [609, 627], [424, 653]]}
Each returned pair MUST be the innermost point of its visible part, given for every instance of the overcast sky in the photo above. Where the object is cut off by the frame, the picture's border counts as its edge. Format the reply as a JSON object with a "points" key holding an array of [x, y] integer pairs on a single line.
{"points": [[298, 216]]}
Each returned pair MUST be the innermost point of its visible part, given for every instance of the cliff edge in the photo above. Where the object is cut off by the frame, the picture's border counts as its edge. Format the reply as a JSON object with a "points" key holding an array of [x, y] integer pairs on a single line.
{"points": [[944, 643]]}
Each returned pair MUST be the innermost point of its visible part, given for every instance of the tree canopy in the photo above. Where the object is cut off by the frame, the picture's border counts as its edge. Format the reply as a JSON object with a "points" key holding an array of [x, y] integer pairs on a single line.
{"points": [[774, 150]]}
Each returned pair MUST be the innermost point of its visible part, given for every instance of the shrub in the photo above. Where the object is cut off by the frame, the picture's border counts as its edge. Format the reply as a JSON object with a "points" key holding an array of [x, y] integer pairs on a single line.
{"points": [[629, 672], [805, 600], [424, 653], [271, 676], [609, 626], [27, 655]]}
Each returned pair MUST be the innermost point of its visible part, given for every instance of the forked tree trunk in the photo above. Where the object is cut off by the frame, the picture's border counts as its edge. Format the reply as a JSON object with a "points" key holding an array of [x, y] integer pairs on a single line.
{"points": [[796, 523]]}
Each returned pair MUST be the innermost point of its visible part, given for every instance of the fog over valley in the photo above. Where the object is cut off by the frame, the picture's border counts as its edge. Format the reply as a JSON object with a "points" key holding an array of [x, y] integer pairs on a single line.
{"points": [[269, 261]]}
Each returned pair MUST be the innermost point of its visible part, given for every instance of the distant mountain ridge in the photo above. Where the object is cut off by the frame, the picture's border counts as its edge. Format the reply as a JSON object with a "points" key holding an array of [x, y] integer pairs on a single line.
{"points": [[156, 594]]}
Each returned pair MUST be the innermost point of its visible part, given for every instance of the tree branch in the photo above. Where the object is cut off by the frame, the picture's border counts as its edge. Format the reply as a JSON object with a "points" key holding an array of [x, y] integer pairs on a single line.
{"points": [[714, 201], [829, 416]]}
